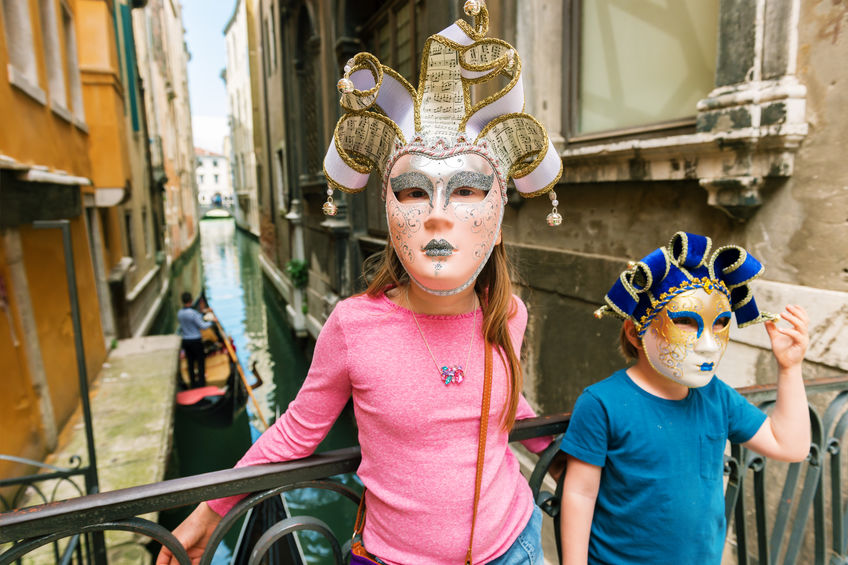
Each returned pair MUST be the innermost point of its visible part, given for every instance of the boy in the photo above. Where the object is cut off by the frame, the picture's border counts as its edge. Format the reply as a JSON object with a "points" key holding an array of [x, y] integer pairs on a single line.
{"points": [[645, 446]]}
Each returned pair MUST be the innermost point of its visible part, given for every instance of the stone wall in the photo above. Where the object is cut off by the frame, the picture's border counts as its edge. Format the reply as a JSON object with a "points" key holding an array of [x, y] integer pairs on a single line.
{"points": [[624, 198]]}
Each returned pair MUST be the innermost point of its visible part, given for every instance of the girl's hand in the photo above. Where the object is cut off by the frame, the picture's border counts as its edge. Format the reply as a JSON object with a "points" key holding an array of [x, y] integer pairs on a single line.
{"points": [[193, 533], [789, 345]]}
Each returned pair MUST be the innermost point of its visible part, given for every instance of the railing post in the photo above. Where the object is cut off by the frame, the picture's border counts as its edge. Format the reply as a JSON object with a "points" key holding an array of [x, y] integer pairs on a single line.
{"points": [[91, 479]]}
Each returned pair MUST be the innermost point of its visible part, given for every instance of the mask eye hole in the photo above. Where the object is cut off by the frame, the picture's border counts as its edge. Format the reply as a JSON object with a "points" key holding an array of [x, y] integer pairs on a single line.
{"points": [[468, 194], [686, 323], [412, 195], [721, 322]]}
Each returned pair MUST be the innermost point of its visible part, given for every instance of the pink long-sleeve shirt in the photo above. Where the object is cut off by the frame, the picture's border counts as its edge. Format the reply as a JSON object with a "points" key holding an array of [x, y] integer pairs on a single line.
{"points": [[418, 436]]}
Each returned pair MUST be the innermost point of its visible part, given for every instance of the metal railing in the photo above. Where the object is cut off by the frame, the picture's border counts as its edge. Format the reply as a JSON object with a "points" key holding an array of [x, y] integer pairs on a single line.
{"points": [[805, 493]]}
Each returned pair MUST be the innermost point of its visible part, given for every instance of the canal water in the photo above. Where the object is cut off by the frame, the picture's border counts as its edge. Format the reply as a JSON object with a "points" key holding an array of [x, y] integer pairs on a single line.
{"points": [[253, 314]]}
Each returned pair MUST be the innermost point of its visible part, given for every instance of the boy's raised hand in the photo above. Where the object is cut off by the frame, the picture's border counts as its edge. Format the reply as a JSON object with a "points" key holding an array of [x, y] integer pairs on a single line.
{"points": [[789, 345]]}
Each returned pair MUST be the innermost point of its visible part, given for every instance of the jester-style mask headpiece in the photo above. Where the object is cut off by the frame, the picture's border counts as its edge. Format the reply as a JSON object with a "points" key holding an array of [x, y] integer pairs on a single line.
{"points": [[681, 300], [386, 119], [648, 285]]}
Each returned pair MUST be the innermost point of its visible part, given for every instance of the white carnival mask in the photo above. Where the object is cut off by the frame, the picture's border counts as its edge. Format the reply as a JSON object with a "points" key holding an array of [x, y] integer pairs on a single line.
{"points": [[444, 217], [686, 340]]}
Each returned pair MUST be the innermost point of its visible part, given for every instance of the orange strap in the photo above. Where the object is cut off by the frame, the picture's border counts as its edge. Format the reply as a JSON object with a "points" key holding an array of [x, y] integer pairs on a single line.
{"points": [[359, 525], [481, 446]]}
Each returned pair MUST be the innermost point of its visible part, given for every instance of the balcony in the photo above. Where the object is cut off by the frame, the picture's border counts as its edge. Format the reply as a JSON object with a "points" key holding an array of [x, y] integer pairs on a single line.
{"points": [[776, 513]]}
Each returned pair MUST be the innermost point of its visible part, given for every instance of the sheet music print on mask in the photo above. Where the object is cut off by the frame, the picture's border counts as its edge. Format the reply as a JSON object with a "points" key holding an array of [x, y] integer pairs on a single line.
{"points": [[367, 137], [513, 136], [442, 107]]}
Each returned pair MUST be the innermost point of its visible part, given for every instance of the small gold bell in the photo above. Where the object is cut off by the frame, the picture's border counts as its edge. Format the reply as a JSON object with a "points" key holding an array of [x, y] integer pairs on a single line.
{"points": [[329, 208], [554, 218], [599, 313]]}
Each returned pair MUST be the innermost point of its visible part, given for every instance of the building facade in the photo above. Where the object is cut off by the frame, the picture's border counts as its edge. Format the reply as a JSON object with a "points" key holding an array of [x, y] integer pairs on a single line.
{"points": [[214, 187], [47, 174], [162, 60], [718, 120], [239, 40], [76, 148], [676, 118], [131, 267]]}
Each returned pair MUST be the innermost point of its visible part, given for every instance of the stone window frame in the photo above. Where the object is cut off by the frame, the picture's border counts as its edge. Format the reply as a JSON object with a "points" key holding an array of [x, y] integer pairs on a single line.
{"points": [[745, 131], [572, 56], [72, 66], [129, 235], [385, 18], [22, 67], [54, 64]]}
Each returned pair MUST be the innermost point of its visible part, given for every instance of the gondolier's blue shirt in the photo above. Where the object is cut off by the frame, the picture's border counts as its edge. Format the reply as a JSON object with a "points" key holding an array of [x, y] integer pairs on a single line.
{"points": [[191, 322]]}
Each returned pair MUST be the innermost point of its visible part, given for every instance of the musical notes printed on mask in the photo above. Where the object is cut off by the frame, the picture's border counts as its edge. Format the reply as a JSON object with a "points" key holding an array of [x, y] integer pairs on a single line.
{"points": [[516, 137], [368, 137], [443, 101]]}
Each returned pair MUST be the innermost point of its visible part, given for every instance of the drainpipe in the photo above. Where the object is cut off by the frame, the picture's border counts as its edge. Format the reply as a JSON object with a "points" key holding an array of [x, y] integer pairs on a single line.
{"points": [[29, 339]]}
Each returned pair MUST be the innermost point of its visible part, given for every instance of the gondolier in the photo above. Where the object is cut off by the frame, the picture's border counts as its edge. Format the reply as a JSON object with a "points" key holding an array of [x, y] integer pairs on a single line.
{"points": [[191, 323]]}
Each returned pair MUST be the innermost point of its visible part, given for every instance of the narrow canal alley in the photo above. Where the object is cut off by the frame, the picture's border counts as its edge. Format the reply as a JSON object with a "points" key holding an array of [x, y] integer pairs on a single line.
{"points": [[251, 312]]}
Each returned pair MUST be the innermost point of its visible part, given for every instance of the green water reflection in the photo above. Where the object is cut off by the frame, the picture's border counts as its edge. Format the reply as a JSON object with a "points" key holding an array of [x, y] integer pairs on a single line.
{"points": [[254, 315]]}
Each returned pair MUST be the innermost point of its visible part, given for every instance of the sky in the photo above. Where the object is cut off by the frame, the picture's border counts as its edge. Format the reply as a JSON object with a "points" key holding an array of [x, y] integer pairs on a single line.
{"points": [[204, 22]]}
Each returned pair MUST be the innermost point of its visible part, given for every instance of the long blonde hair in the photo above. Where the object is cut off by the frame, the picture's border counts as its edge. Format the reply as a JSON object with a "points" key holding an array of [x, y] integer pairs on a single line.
{"points": [[494, 290]]}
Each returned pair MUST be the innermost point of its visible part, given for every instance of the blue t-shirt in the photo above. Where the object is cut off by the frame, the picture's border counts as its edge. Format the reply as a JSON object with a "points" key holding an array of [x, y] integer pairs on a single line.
{"points": [[661, 495], [191, 322]]}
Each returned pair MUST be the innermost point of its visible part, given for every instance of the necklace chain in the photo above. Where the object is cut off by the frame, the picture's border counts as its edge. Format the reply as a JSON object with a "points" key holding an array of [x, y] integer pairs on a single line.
{"points": [[452, 373]]}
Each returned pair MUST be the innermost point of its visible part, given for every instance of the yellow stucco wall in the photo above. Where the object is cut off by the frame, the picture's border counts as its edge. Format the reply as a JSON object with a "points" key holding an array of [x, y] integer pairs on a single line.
{"points": [[32, 133], [103, 95], [45, 270], [19, 412]]}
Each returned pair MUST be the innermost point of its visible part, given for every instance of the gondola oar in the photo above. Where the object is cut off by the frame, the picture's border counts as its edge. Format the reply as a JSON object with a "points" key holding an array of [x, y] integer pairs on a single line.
{"points": [[243, 378]]}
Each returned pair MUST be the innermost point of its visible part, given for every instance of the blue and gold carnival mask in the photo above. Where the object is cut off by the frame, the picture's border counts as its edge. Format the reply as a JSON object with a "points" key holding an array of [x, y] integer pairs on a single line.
{"points": [[681, 299]]}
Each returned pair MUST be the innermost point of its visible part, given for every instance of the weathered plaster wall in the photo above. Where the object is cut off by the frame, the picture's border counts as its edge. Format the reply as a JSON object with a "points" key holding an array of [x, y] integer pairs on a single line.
{"points": [[45, 268], [800, 232], [22, 431], [567, 270], [819, 248]]}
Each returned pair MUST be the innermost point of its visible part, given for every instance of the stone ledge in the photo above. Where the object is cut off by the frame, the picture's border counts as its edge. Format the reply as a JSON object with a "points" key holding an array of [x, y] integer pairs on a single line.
{"points": [[828, 311]]}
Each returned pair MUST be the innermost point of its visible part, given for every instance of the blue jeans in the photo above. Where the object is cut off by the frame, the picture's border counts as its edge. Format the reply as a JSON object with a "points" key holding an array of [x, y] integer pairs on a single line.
{"points": [[527, 547]]}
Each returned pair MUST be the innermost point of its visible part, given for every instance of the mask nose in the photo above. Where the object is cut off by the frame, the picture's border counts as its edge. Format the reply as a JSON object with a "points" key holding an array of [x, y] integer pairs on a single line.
{"points": [[439, 216], [707, 343]]}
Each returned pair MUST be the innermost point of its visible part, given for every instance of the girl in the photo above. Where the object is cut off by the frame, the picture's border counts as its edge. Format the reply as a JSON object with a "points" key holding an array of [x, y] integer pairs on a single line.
{"points": [[429, 353]]}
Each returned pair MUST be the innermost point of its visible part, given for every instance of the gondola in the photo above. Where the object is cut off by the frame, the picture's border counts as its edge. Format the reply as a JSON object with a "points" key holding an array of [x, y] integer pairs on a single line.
{"points": [[224, 395]]}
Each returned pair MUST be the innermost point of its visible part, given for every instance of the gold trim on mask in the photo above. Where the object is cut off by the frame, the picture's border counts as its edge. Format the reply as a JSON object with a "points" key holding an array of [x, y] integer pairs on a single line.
{"points": [[657, 305]]}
